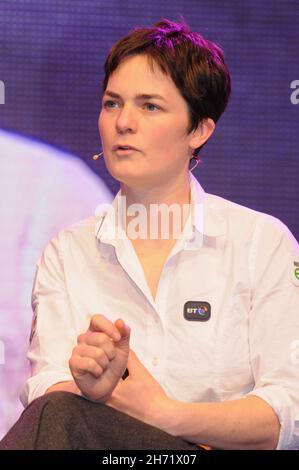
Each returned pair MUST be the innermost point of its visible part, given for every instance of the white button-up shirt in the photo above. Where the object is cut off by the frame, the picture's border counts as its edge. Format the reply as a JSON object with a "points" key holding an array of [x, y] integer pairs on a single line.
{"points": [[240, 262]]}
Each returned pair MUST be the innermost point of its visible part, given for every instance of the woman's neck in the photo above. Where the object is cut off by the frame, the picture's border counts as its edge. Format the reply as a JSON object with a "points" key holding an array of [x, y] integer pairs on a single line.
{"points": [[175, 197]]}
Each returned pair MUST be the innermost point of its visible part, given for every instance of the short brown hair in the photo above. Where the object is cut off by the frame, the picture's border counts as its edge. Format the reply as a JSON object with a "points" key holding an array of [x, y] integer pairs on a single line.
{"points": [[196, 65]]}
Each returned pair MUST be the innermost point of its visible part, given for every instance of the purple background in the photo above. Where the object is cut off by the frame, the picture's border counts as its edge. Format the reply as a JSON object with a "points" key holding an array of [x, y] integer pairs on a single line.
{"points": [[51, 63]]}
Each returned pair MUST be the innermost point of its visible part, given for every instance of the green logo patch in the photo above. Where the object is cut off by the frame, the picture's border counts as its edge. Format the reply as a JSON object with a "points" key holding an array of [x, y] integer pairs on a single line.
{"points": [[295, 274]]}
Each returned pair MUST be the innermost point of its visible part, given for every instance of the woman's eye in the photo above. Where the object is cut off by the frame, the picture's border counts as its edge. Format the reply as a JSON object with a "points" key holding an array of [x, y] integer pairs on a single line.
{"points": [[109, 104], [151, 106]]}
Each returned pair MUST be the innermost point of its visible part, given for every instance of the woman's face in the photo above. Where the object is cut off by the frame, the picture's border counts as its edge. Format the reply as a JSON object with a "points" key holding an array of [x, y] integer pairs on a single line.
{"points": [[155, 126]]}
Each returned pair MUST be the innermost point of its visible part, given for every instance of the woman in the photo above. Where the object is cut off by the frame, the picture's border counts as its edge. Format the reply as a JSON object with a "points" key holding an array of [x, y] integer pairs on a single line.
{"points": [[198, 317]]}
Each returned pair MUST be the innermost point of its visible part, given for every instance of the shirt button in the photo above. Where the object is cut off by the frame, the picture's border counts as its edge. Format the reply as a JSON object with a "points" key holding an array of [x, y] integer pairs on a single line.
{"points": [[155, 361]]}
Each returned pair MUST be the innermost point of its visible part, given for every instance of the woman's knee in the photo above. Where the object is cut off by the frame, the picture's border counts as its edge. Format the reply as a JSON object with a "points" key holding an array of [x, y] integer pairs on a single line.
{"points": [[48, 422], [62, 405]]}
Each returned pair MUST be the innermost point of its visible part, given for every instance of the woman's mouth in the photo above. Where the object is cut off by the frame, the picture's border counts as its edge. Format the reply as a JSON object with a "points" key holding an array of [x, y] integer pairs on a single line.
{"points": [[124, 149]]}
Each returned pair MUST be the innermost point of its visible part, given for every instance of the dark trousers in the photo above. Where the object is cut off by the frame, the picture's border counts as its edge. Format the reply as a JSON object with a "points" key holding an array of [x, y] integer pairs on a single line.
{"points": [[62, 420]]}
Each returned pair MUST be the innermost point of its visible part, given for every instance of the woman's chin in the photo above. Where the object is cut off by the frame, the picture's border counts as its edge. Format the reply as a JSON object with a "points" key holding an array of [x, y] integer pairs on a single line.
{"points": [[127, 176], [130, 180]]}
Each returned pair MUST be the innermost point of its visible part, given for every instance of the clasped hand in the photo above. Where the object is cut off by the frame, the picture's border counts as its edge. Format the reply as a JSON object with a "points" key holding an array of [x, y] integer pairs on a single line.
{"points": [[100, 358], [98, 363]]}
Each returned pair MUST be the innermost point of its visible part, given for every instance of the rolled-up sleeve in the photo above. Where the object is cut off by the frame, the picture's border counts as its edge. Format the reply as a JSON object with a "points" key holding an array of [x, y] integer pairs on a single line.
{"points": [[274, 325], [53, 334]]}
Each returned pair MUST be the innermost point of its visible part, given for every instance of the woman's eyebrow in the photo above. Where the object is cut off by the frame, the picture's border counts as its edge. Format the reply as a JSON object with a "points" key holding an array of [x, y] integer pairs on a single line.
{"points": [[143, 96]]}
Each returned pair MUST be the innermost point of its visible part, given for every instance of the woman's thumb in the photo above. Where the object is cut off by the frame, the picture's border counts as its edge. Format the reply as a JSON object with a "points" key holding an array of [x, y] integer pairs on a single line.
{"points": [[125, 332]]}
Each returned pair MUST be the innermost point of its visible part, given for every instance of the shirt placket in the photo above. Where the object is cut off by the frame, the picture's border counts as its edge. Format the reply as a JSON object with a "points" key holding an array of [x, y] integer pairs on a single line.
{"points": [[156, 327]]}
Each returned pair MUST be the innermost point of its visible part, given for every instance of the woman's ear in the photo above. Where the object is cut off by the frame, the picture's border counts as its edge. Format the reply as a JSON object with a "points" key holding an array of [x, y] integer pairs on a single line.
{"points": [[203, 132]]}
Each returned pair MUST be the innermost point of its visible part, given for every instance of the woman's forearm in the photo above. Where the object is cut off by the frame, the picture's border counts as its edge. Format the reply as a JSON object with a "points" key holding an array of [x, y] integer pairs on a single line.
{"points": [[247, 423], [69, 386]]}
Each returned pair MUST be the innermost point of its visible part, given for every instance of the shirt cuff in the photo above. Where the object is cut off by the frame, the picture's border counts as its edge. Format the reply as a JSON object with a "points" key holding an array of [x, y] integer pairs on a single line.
{"points": [[37, 385], [278, 398]]}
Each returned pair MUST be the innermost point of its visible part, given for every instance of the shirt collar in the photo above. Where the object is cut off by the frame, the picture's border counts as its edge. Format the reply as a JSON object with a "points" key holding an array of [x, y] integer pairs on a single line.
{"points": [[109, 229], [205, 220], [207, 215]]}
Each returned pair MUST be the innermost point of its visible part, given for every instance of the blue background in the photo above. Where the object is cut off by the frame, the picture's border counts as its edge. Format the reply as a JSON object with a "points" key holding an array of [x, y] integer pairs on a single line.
{"points": [[52, 54]]}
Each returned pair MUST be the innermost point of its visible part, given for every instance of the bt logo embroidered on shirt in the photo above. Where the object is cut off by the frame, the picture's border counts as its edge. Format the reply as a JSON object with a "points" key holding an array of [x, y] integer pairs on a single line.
{"points": [[197, 310]]}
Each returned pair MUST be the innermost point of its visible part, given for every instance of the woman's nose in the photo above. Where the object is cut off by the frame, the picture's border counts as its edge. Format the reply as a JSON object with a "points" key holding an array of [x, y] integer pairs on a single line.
{"points": [[126, 120]]}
